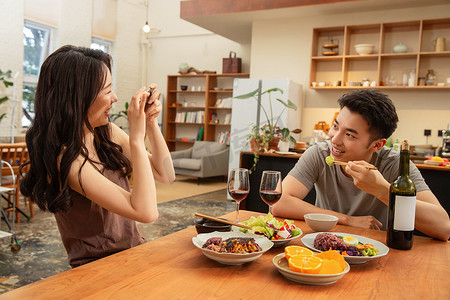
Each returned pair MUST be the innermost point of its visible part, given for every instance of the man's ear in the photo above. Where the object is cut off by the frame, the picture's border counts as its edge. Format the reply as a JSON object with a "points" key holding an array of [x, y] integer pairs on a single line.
{"points": [[377, 145]]}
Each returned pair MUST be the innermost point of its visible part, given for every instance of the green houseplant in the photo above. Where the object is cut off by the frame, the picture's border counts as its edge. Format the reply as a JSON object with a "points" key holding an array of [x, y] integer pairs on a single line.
{"points": [[121, 114], [4, 76], [266, 137]]}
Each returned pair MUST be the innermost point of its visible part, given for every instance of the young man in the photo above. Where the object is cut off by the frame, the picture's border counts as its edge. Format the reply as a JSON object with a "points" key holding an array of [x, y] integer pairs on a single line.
{"points": [[356, 195]]}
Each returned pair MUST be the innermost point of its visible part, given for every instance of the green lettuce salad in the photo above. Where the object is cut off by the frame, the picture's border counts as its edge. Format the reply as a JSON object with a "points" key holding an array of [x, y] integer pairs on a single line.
{"points": [[271, 228]]}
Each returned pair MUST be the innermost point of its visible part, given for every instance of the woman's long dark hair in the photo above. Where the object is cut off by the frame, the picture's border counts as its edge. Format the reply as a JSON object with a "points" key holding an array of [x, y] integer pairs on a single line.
{"points": [[69, 81]]}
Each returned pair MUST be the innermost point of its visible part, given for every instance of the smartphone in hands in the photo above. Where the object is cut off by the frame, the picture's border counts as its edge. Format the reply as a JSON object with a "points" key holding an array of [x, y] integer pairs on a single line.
{"points": [[147, 104]]}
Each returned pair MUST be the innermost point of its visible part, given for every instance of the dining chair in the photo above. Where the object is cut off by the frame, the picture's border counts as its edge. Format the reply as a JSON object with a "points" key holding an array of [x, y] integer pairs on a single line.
{"points": [[15, 154]]}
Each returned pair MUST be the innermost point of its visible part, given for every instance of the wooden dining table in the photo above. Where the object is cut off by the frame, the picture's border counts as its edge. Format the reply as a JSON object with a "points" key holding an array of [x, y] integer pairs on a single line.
{"points": [[171, 267]]}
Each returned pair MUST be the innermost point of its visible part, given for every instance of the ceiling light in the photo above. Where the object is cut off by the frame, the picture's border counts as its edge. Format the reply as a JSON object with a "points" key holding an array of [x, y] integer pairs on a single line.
{"points": [[146, 28]]}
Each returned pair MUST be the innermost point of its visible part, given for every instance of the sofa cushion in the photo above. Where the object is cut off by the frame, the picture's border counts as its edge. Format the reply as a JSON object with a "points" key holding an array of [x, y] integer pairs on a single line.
{"points": [[201, 149], [187, 163]]}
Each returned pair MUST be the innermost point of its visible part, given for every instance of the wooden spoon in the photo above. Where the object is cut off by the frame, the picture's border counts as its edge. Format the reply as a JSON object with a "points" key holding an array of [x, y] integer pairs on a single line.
{"points": [[222, 221]]}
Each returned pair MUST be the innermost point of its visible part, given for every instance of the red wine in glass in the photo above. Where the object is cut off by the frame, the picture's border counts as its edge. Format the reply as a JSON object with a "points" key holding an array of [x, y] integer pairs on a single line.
{"points": [[270, 188], [270, 197], [238, 195], [238, 186]]}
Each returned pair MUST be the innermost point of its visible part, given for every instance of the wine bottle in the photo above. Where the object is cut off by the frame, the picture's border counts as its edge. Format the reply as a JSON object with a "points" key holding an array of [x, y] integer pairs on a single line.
{"points": [[402, 206]]}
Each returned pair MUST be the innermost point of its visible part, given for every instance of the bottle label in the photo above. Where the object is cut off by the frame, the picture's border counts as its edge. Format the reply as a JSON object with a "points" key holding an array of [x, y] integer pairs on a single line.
{"points": [[405, 213]]}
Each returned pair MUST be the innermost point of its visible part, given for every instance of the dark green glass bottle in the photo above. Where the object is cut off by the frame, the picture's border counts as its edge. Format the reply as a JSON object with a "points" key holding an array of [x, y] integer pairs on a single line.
{"points": [[402, 206]]}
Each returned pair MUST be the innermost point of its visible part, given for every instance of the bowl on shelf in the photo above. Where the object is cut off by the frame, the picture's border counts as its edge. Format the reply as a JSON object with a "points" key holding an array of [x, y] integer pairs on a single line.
{"points": [[183, 87], [364, 49], [320, 222], [203, 225]]}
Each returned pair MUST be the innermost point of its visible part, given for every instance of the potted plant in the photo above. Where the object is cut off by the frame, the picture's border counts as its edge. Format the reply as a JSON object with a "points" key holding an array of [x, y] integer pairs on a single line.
{"points": [[121, 114], [267, 137], [286, 138], [4, 76]]}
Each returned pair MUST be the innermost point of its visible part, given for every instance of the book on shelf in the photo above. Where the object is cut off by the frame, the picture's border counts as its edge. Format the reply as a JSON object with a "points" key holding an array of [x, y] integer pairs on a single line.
{"points": [[190, 117], [227, 119], [224, 102], [199, 136], [224, 137], [185, 139]]}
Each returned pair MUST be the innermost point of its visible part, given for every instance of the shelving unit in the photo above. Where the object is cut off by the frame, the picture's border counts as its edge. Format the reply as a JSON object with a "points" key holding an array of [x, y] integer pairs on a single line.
{"points": [[347, 67], [202, 95]]}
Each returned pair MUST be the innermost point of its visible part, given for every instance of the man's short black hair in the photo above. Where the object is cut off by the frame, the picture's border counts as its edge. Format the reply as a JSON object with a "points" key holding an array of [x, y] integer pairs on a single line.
{"points": [[376, 108]]}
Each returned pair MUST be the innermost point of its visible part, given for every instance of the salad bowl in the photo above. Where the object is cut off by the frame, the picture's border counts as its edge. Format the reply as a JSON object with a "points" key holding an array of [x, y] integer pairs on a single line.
{"points": [[278, 232]]}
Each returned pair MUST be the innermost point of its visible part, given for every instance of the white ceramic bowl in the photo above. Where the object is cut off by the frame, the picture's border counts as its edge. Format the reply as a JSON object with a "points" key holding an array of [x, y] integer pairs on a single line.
{"points": [[282, 265], [364, 49], [231, 258], [321, 222]]}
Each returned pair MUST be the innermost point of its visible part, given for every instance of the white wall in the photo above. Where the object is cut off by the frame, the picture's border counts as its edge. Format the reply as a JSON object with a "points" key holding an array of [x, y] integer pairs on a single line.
{"points": [[135, 64], [11, 58], [183, 42], [288, 55]]}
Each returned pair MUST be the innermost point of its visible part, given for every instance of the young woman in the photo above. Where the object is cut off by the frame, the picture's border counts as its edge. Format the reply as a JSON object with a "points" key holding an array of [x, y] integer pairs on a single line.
{"points": [[79, 161]]}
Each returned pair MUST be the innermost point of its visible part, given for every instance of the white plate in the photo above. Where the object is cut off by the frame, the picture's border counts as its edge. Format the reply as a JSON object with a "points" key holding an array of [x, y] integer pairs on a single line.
{"points": [[308, 241], [231, 258], [282, 265], [286, 153], [276, 243], [432, 162]]}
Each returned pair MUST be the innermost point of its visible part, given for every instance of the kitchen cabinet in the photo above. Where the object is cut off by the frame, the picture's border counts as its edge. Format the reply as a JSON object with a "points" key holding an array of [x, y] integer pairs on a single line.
{"points": [[386, 69], [201, 111]]}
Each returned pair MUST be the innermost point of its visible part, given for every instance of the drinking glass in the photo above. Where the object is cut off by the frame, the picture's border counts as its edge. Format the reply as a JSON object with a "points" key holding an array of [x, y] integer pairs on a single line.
{"points": [[270, 188], [238, 186]]}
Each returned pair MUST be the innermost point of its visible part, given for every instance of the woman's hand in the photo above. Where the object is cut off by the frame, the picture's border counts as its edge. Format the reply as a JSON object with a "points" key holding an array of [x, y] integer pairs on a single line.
{"points": [[136, 115], [153, 107]]}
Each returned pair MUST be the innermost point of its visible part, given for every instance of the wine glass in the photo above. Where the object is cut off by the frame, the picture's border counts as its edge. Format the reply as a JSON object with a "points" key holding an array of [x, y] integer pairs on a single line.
{"points": [[270, 188], [238, 186]]}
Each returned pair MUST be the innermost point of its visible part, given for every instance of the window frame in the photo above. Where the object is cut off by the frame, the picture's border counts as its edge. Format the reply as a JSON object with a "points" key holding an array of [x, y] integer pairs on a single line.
{"points": [[102, 42], [28, 79]]}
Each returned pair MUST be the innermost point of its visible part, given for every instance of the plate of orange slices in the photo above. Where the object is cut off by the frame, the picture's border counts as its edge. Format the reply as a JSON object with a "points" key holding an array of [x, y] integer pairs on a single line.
{"points": [[302, 265]]}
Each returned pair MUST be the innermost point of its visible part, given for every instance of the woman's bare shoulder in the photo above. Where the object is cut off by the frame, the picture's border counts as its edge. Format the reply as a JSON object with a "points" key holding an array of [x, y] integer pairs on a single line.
{"points": [[118, 136]]}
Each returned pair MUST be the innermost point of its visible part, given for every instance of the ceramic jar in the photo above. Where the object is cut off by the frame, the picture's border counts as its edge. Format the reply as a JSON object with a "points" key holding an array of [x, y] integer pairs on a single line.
{"points": [[400, 48]]}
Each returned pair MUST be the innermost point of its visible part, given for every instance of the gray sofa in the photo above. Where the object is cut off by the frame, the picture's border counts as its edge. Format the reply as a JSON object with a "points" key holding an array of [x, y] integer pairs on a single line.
{"points": [[204, 159]]}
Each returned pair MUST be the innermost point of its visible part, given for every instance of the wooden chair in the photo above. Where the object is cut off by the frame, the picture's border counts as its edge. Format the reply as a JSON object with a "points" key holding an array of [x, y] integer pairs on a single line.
{"points": [[15, 154]]}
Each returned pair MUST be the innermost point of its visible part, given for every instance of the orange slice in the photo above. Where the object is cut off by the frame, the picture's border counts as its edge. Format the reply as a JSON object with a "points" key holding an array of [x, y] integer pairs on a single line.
{"points": [[333, 255], [292, 251], [305, 264], [330, 266]]}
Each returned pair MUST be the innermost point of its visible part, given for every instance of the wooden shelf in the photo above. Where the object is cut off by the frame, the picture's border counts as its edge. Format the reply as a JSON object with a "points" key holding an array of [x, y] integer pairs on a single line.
{"points": [[348, 66], [219, 108], [203, 100]]}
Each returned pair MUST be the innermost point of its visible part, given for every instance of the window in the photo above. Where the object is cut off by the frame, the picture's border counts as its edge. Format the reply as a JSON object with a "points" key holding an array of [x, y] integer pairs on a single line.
{"points": [[101, 44], [36, 45]]}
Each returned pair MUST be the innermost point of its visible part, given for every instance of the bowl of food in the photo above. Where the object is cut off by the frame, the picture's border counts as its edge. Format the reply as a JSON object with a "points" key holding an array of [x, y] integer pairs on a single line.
{"points": [[364, 49], [232, 248], [203, 225], [321, 222], [281, 262], [279, 232]]}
